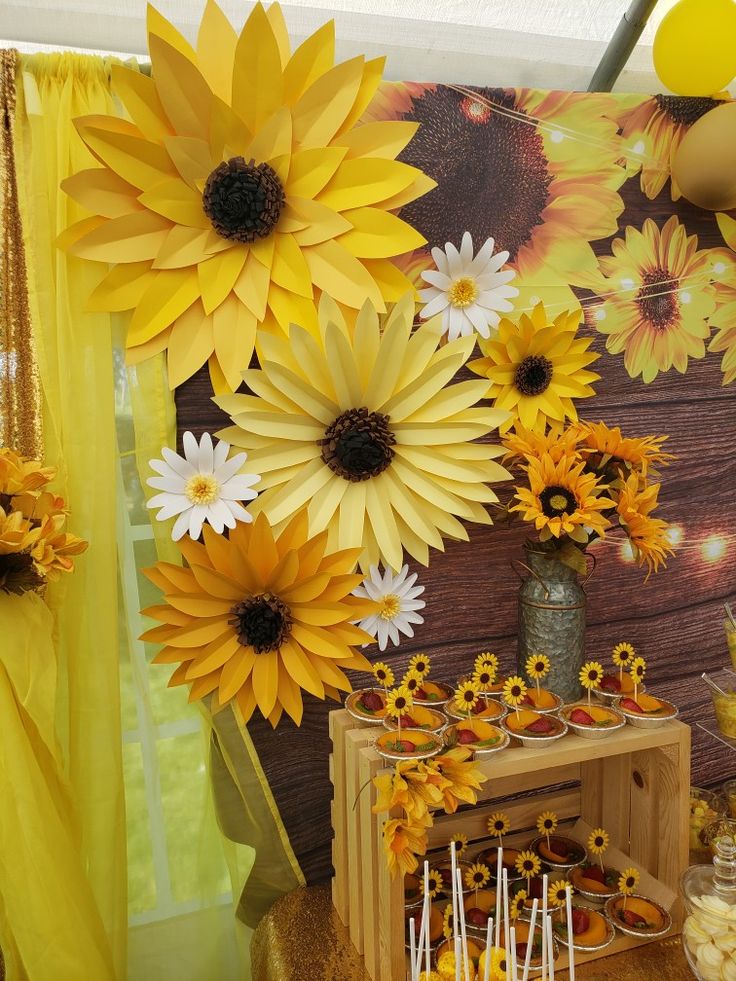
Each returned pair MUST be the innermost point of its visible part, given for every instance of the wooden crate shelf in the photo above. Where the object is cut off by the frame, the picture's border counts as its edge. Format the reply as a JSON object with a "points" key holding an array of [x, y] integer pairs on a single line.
{"points": [[635, 784]]}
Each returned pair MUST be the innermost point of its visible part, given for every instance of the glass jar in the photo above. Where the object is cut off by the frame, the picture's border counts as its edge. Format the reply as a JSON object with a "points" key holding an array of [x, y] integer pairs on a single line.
{"points": [[705, 806], [709, 932], [729, 793]]}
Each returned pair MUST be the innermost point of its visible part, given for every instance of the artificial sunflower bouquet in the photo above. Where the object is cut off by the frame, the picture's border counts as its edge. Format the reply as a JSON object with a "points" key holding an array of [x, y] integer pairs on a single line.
{"points": [[580, 483], [35, 547]]}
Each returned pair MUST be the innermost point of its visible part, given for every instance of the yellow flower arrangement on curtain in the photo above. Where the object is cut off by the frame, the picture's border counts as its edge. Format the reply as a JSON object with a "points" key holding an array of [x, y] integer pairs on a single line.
{"points": [[416, 786], [366, 429], [658, 296], [258, 617], [723, 320], [240, 187], [537, 367], [580, 484], [35, 547]]}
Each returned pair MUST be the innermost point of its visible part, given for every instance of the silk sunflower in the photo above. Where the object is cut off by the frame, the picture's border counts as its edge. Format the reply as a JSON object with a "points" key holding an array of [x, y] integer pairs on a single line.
{"points": [[240, 187], [659, 298], [607, 449], [257, 617], [648, 535], [563, 499], [365, 427], [537, 367]]}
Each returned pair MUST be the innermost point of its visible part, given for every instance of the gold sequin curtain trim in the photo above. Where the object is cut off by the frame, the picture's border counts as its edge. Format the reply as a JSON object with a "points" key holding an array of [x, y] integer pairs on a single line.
{"points": [[20, 388]]}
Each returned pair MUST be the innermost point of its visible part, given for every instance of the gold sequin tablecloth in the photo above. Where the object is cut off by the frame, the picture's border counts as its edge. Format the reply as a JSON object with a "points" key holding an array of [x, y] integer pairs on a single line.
{"points": [[302, 939]]}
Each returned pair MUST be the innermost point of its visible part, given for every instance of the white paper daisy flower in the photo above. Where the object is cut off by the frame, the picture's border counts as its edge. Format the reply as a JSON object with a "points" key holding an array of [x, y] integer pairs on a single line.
{"points": [[203, 485], [468, 291], [397, 595]]}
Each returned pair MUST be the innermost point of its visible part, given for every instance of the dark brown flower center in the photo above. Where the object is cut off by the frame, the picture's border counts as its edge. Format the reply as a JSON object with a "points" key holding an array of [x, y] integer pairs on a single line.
{"points": [[262, 622], [533, 375], [685, 110], [18, 573], [557, 500], [657, 299], [358, 444], [599, 842], [469, 696], [593, 675], [243, 200], [490, 167]]}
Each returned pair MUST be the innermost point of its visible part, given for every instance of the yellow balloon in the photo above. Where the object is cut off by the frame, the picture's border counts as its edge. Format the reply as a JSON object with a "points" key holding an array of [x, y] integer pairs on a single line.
{"points": [[704, 166], [695, 47]]}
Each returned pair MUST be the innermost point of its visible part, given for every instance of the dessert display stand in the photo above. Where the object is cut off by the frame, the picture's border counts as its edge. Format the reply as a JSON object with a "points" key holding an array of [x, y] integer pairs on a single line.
{"points": [[636, 784]]}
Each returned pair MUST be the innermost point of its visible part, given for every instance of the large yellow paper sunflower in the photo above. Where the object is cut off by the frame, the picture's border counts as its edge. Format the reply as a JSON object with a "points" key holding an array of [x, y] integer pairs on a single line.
{"points": [[659, 298], [258, 617], [240, 188], [562, 499], [367, 430], [537, 367]]}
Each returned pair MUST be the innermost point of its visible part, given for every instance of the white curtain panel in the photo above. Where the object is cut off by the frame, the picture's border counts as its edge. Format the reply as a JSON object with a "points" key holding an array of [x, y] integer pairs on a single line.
{"points": [[544, 43]]}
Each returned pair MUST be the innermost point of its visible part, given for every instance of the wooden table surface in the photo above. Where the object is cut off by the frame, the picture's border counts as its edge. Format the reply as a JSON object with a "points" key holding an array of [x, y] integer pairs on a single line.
{"points": [[302, 939]]}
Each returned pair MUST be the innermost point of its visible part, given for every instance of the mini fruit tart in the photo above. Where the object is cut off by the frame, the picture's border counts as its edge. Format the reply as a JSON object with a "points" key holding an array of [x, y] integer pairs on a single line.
{"points": [[489, 856], [612, 686], [419, 717], [411, 744], [542, 701], [594, 721], [533, 729], [595, 883], [478, 735], [436, 922], [485, 708], [433, 694], [479, 906], [561, 853], [368, 705], [640, 917], [591, 930], [645, 711]]}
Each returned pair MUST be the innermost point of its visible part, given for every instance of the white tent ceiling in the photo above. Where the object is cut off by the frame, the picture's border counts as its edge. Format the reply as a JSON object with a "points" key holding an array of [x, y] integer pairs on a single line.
{"points": [[547, 43]]}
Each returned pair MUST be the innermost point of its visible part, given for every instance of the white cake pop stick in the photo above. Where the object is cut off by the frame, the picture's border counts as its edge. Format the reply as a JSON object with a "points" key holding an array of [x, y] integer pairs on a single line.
{"points": [[498, 896], [463, 933], [453, 859], [506, 913], [412, 949], [551, 951], [489, 944], [514, 968], [544, 921], [570, 937], [458, 955], [530, 945]]}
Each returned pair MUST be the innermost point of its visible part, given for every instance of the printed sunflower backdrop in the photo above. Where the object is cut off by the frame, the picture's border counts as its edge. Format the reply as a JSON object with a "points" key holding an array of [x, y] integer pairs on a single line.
{"points": [[576, 188]]}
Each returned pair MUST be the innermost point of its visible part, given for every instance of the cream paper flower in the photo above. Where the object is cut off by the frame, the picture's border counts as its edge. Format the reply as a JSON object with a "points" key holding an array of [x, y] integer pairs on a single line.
{"points": [[468, 291], [397, 594], [203, 485]]}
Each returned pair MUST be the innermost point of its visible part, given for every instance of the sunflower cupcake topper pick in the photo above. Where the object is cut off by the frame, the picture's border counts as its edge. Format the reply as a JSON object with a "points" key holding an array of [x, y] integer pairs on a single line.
{"points": [[638, 669], [557, 893], [366, 428], [628, 882], [528, 864], [598, 842], [498, 824], [517, 903], [240, 619], [476, 877], [466, 696], [435, 884], [537, 667], [623, 654], [398, 701], [383, 675], [421, 664], [591, 675], [233, 195], [514, 691], [460, 841], [547, 824]]}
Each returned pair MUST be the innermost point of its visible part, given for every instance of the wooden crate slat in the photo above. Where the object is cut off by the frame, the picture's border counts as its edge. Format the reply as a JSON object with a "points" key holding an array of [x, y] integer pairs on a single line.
{"points": [[355, 740], [371, 857], [339, 723]]}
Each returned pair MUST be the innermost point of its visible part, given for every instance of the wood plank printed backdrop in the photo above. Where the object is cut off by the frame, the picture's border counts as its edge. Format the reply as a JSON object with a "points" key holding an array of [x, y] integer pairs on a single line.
{"points": [[556, 178]]}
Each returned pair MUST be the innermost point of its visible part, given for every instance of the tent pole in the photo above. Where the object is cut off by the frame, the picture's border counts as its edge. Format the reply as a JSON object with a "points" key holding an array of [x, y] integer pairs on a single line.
{"points": [[621, 45]]}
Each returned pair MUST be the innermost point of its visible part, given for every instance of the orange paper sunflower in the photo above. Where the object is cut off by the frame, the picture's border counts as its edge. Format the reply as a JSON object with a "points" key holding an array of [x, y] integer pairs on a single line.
{"points": [[661, 297], [537, 367], [258, 617], [240, 187]]}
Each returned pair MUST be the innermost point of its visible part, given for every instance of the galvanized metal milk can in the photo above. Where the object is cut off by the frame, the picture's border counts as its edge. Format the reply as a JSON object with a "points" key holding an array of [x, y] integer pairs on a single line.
{"points": [[552, 620]]}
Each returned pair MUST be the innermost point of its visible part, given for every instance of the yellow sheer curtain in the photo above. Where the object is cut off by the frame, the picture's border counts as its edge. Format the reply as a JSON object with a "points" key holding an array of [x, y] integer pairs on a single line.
{"points": [[75, 355]]}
